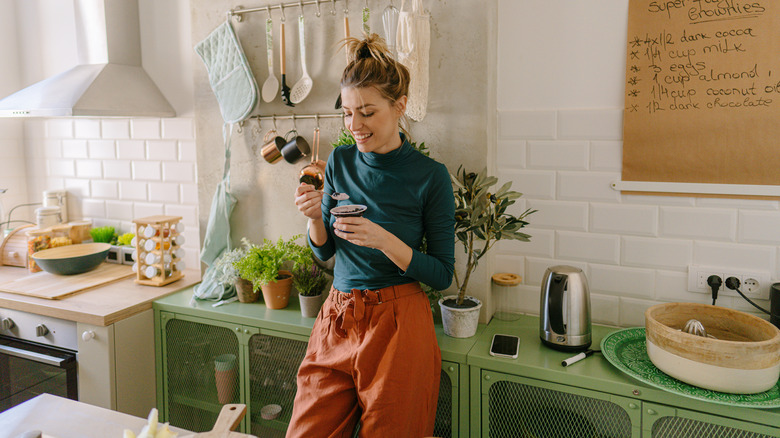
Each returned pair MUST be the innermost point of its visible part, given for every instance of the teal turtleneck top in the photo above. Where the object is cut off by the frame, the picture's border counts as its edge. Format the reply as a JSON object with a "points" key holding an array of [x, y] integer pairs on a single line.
{"points": [[407, 194]]}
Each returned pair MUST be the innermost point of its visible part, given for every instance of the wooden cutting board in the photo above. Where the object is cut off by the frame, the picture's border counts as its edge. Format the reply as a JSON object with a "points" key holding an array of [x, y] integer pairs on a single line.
{"points": [[229, 418], [56, 287]]}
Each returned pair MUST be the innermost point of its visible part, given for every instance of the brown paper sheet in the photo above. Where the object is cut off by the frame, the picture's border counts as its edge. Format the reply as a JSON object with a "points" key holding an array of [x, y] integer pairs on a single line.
{"points": [[703, 92]]}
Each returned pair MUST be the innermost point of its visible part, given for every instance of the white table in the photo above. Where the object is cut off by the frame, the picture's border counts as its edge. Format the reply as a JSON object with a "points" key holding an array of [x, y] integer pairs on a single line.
{"points": [[64, 418]]}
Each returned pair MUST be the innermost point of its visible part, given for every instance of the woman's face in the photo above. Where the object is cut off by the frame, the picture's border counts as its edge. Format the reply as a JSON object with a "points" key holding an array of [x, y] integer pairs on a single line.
{"points": [[372, 119]]}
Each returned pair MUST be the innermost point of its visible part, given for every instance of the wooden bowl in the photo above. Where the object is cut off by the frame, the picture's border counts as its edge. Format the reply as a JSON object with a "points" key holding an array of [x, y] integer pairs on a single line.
{"points": [[72, 259], [743, 357]]}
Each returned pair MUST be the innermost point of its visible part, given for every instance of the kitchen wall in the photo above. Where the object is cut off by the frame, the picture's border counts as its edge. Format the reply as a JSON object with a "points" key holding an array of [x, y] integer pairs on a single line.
{"points": [[455, 128], [114, 169], [561, 70]]}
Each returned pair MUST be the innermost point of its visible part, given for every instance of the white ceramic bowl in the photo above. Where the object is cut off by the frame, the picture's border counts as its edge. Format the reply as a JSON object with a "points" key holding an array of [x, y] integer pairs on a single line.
{"points": [[744, 357], [270, 412]]}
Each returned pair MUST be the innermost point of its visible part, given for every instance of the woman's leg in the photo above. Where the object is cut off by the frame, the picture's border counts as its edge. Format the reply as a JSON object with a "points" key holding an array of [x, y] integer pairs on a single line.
{"points": [[398, 369]]}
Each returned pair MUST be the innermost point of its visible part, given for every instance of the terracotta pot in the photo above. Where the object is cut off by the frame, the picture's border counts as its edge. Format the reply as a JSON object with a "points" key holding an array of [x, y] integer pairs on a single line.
{"points": [[310, 305], [276, 294], [245, 292]]}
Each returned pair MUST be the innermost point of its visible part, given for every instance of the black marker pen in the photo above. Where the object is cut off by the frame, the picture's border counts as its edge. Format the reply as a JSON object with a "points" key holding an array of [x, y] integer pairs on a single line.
{"points": [[577, 358]]}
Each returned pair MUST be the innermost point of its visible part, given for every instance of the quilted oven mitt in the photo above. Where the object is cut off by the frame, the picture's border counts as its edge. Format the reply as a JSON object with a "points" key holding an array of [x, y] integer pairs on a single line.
{"points": [[229, 74]]}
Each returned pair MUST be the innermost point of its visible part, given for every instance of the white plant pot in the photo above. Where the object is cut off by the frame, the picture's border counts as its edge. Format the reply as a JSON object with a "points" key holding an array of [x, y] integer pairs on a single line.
{"points": [[460, 323], [310, 306]]}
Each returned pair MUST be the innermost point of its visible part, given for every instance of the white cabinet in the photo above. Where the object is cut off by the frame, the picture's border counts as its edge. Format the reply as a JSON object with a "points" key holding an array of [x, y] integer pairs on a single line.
{"points": [[116, 364]]}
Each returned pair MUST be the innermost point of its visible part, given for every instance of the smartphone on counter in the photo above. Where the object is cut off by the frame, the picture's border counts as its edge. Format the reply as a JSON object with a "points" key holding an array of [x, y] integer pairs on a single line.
{"points": [[505, 346]]}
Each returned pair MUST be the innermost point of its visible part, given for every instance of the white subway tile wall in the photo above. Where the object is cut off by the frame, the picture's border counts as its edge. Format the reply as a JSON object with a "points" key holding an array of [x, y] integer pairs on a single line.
{"points": [[116, 170], [634, 249]]}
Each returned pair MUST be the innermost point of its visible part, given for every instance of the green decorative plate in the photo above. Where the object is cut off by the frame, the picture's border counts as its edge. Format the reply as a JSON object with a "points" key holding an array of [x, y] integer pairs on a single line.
{"points": [[627, 351]]}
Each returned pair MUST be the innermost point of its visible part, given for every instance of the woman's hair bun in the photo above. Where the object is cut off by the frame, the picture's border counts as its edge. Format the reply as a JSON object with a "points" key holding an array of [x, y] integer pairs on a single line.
{"points": [[371, 46]]}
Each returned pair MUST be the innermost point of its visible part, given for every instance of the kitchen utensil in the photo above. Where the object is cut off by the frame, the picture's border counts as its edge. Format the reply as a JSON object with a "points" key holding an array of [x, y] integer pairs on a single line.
{"points": [[346, 32], [694, 327], [366, 14], [314, 172], [390, 24], [272, 147], [271, 85], [626, 350], [296, 148], [72, 259], [414, 45], [229, 418], [56, 287], [285, 88], [744, 359], [335, 195], [301, 88], [564, 322]]}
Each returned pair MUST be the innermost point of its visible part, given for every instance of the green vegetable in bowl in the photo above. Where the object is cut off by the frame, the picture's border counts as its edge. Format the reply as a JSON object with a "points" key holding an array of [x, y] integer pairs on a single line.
{"points": [[102, 234], [125, 239]]}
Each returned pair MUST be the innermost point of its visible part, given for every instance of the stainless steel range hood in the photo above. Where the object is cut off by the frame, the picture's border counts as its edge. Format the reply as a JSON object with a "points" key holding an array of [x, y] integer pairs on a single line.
{"points": [[108, 80]]}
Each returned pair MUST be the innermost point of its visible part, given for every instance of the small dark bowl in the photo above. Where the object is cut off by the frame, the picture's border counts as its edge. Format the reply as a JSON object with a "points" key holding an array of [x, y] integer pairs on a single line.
{"points": [[351, 210], [72, 259]]}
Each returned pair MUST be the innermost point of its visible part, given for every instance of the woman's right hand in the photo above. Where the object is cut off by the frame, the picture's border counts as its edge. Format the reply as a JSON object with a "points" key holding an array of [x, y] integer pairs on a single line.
{"points": [[309, 201]]}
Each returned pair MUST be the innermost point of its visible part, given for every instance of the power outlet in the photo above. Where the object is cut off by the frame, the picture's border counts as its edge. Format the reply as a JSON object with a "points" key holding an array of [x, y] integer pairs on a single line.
{"points": [[754, 284]]}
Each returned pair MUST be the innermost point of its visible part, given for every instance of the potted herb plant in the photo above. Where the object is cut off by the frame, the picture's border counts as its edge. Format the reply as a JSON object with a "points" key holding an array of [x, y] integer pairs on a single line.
{"points": [[481, 220], [262, 266], [310, 282], [227, 274]]}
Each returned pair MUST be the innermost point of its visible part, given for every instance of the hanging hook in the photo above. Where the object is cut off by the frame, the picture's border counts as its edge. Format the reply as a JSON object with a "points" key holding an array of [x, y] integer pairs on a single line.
{"points": [[268, 9], [300, 3], [295, 127], [274, 120], [281, 6], [317, 121], [318, 9], [332, 7], [346, 7], [239, 130]]}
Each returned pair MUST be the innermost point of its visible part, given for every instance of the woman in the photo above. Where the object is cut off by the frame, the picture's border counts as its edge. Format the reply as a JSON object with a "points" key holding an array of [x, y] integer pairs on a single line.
{"points": [[373, 355]]}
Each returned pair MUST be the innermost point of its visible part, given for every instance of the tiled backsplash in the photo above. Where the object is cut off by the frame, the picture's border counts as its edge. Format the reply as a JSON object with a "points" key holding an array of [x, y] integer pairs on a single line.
{"points": [[635, 250], [116, 170]]}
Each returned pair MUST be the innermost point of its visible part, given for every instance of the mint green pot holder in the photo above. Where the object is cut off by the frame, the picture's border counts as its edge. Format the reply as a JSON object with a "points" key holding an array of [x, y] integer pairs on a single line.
{"points": [[230, 77]]}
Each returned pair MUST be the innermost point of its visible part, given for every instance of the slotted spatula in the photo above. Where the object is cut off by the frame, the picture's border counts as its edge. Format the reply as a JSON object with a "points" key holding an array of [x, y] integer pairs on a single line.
{"points": [[229, 418]]}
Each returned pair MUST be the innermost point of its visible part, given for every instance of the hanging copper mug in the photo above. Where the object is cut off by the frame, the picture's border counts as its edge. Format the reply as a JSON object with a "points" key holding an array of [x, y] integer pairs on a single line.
{"points": [[272, 147], [314, 172]]}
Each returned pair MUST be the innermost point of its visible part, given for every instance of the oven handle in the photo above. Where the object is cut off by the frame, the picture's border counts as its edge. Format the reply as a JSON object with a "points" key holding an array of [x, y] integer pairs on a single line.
{"points": [[33, 356]]}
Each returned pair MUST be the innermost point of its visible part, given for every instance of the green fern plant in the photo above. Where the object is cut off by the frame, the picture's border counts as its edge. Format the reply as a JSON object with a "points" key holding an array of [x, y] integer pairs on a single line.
{"points": [[261, 263]]}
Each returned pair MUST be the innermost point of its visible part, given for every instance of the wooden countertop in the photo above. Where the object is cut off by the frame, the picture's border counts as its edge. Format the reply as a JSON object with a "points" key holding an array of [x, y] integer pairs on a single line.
{"points": [[64, 418], [101, 306]]}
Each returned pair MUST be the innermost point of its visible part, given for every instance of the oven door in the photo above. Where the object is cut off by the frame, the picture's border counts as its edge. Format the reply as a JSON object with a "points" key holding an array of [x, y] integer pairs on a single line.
{"points": [[28, 369]]}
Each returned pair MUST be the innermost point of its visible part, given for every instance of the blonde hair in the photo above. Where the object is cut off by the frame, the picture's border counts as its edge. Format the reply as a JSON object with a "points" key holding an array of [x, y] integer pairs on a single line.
{"points": [[371, 64]]}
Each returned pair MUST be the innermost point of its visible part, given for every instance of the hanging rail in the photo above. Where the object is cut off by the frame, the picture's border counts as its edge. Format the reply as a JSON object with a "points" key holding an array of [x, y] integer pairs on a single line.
{"points": [[239, 11], [299, 116]]}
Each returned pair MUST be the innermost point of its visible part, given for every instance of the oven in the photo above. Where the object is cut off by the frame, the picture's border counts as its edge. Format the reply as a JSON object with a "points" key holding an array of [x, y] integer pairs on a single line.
{"points": [[37, 355]]}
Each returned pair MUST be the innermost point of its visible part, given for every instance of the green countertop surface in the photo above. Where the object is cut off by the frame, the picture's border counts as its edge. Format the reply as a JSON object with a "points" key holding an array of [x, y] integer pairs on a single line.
{"points": [[534, 361]]}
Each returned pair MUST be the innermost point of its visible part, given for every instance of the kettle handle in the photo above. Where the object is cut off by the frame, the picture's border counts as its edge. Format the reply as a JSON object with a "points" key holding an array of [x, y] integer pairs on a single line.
{"points": [[555, 303]]}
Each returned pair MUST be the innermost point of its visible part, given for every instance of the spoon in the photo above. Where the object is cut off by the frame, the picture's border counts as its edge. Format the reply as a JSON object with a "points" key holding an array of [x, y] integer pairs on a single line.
{"points": [[336, 195], [301, 88], [271, 85]]}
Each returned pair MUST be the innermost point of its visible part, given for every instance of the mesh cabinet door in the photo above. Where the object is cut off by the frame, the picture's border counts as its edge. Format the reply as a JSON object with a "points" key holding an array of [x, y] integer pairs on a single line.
{"points": [[520, 408], [447, 405], [273, 369], [667, 422], [192, 399]]}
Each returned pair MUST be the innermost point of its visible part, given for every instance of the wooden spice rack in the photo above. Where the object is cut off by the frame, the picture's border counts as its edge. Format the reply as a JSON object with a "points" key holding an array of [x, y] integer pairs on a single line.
{"points": [[164, 247]]}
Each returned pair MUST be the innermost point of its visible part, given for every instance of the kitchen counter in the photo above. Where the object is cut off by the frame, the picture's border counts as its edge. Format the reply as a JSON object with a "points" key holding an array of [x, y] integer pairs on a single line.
{"points": [[63, 418], [100, 306]]}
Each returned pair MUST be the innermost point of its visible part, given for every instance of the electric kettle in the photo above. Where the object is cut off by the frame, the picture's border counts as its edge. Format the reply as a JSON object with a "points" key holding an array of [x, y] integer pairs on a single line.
{"points": [[564, 315]]}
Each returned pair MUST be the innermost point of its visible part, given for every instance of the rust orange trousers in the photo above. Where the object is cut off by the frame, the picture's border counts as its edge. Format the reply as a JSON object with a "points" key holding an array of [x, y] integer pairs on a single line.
{"points": [[373, 357]]}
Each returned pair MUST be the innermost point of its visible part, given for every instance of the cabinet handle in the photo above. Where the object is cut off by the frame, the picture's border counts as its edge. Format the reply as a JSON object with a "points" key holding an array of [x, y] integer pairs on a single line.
{"points": [[487, 376], [651, 412], [238, 329], [88, 335], [246, 331], [452, 369], [633, 405]]}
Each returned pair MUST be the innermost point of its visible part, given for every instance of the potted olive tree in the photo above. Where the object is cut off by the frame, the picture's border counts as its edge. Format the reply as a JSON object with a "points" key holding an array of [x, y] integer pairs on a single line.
{"points": [[310, 282], [262, 266], [481, 220]]}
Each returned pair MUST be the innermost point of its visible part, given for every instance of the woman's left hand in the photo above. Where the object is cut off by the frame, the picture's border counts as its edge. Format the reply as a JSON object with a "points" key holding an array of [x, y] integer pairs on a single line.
{"points": [[361, 231]]}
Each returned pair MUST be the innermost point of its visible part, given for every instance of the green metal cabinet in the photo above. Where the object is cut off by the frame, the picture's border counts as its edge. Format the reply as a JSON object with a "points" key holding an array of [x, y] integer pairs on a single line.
{"points": [[269, 346], [534, 396]]}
